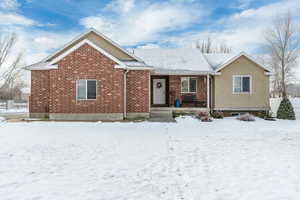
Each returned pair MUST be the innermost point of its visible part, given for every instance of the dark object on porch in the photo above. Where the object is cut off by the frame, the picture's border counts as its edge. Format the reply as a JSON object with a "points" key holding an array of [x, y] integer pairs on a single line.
{"points": [[177, 103], [191, 99]]}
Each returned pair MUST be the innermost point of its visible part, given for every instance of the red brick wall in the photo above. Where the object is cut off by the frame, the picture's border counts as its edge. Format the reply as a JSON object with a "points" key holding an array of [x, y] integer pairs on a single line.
{"points": [[55, 90], [86, 63], [39, 98], [138, 91], [175, 88]]}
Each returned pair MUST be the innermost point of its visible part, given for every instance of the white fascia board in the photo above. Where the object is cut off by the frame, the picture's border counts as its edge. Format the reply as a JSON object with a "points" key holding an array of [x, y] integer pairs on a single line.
{"points": [[83, 35], [133, 68], [139, 68], [183, 73], [86, 41], [41, 68], [268, 73], [238, 56], [66, 45], [217, 73]]}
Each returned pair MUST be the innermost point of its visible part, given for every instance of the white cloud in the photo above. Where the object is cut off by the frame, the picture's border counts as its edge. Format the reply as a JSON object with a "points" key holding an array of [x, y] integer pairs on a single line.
{"points": [[243, 30], [145, 22], [15, 19], [149, 46], [9, 4], [121, 6]]}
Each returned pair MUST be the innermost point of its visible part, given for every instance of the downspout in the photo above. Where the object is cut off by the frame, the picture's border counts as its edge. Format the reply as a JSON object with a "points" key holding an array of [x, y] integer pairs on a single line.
{"points": [[125, 94]]}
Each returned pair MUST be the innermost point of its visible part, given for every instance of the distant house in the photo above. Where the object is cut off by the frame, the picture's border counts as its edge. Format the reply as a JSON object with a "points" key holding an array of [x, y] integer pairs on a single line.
{"points": [[93, 78], [25, 94]]}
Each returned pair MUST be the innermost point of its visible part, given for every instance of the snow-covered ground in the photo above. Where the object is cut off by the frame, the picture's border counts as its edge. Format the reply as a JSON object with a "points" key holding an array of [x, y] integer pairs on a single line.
{"points": [[14, 110], [223, 160]]}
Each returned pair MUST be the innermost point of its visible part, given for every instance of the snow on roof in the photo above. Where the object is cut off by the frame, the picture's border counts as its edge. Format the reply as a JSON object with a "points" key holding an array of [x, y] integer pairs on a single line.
{"points": [[186, 60], [217, 59], [132, 63], [41, 66], [177, 59]]}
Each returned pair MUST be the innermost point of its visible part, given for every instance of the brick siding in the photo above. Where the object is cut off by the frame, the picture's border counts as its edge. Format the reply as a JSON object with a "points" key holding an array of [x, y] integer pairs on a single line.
{"points": [[55, 90], [39, 97], [138, 91]]}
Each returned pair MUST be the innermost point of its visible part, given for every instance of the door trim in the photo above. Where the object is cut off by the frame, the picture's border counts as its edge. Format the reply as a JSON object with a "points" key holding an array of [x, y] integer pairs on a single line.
{"points": [[167, 91]]}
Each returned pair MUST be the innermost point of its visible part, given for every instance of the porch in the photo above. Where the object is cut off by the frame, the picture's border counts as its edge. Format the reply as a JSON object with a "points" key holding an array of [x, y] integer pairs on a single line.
{"points": [[170, 112], [180, 93]]}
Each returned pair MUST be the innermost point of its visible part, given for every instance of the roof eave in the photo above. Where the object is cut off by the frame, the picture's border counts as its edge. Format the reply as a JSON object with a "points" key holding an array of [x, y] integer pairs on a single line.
{"points": [[83, 35]]}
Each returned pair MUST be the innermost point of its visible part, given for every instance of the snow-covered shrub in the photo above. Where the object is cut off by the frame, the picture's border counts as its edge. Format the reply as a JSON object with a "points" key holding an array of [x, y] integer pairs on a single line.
{"points": [[206, 119], [217, 115], [246, 117], [286, 110], [201, 114]]}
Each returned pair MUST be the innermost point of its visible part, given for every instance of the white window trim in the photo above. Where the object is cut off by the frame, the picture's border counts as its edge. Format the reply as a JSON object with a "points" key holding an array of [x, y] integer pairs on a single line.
{"points": [[241, 76], [189, 92], [86, 99]]}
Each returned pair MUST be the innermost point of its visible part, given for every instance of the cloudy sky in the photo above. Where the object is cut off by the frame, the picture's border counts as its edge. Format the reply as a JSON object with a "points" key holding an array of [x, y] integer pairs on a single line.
{"points": [[44, 25]]}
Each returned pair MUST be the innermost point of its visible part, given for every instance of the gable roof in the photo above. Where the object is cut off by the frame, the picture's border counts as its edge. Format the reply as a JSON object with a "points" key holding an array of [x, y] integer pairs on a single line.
{"points": [[81, 36], [220, 61], [51, 61], [173, 61], [78, 45]]}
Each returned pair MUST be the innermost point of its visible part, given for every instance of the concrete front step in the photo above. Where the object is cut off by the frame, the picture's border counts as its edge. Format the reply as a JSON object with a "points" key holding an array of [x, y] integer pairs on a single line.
{"points": [[161, 119], [161, 114]]}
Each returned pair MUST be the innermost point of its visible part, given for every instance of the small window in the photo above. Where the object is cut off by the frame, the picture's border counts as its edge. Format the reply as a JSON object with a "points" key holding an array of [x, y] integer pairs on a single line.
{"points": [[188, 85], [86, 89], [241, 84]]}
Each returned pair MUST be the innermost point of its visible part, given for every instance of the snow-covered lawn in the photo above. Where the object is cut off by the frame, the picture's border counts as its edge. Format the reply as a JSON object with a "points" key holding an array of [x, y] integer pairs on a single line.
{"points": [[222, 160]]}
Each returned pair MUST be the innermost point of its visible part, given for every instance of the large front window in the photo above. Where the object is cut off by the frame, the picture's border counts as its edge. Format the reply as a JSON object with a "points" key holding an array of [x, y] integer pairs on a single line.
{"points": [[242, 84], [86, 89], [188, 85]]}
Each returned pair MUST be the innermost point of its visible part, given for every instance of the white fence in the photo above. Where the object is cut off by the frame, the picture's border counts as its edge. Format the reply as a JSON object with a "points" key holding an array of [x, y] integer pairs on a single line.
{"points": [[13, 106], [274, 103]]}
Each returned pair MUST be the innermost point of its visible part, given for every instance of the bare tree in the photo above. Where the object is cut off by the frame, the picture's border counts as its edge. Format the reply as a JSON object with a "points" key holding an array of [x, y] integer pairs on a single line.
{"points": [[206, 46], [283, 42], [9, 61]]}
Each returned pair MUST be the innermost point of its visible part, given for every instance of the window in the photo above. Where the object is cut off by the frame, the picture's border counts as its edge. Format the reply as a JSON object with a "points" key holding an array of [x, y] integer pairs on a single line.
{"points": [[188, 85], [86, 89], [242, 84]]}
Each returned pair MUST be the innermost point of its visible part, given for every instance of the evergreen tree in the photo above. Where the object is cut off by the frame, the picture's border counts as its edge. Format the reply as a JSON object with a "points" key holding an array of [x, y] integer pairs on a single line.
{"points": [[286, 110]]}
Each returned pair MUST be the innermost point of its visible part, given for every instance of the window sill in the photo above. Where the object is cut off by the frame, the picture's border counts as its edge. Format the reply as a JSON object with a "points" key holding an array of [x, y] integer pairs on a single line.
{"points": [[86, 99], [188, 92], [242, 93]]}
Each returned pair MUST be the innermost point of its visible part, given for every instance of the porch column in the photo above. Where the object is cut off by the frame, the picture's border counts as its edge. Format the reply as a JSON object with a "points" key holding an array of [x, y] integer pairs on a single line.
{"points": [[208, 91]]}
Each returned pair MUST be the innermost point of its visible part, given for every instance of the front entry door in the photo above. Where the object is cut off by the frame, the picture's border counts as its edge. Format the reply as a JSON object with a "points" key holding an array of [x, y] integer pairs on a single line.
{"points": [[159, 91]]}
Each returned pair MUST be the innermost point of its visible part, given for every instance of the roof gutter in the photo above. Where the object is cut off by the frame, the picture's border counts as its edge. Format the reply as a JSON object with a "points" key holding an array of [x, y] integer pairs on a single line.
{"points": [[125, 94]]}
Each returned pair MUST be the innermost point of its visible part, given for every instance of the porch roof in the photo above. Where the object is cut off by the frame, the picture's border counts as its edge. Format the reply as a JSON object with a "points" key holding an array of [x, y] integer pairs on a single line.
{"points": [[175, 61], [188, 61]]}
